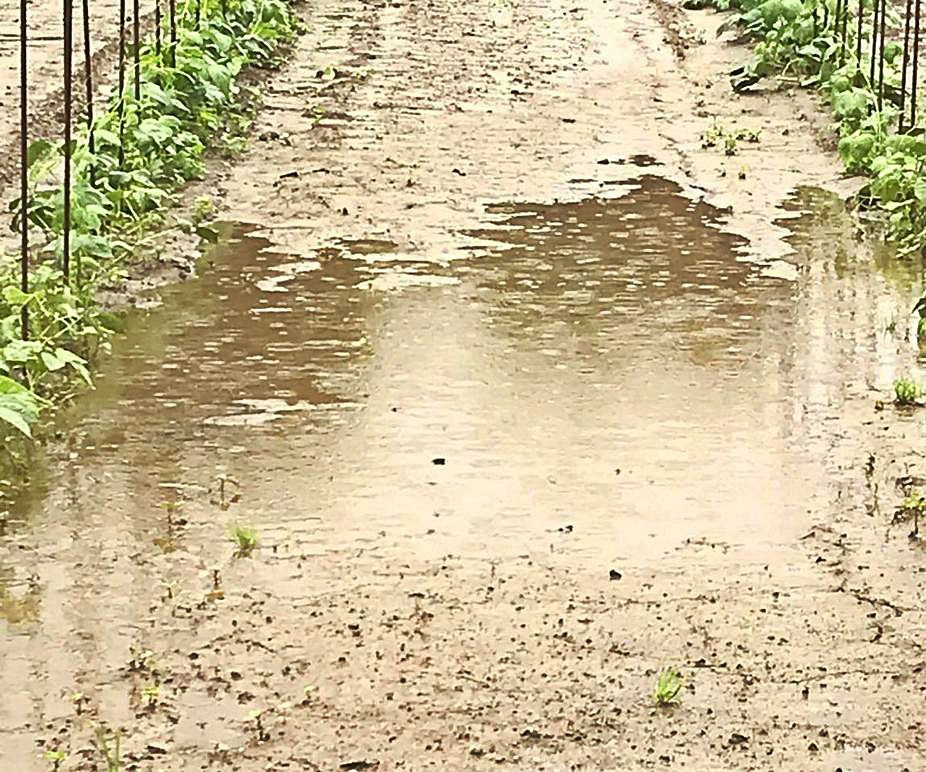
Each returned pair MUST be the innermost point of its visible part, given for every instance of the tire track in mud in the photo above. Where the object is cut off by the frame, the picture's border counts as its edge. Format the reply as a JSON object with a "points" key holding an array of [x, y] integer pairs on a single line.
{"points": [[406, 640]]}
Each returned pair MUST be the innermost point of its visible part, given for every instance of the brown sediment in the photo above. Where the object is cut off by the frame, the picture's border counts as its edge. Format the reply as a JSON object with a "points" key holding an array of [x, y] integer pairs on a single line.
{"points": [[528, 396]]}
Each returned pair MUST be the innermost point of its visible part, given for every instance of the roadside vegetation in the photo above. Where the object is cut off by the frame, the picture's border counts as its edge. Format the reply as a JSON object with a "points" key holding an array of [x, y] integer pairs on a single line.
{"points": [[144, 146], [815, 44]]}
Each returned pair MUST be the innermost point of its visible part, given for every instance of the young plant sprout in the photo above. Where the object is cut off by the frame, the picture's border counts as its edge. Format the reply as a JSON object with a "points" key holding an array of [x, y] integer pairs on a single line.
{"points": [[245, 538], [668, 687], [906, 392]]}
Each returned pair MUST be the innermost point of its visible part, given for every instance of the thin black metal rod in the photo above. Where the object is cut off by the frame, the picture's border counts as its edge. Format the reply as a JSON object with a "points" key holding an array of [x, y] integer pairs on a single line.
{"points": [[874, 43], [136, 45], [157, 28], [23, 165], [904, 65], [881, 57], [121, 82], [837, 20], [860, 35], [916, 58], [88, 79], [844, 32], [173, 33], [68, 99]]}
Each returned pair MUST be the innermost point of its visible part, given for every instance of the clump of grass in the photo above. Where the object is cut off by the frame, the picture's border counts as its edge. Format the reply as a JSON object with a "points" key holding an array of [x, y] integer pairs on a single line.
{"points": [[245, 538], [906, 392], [668, 687]]}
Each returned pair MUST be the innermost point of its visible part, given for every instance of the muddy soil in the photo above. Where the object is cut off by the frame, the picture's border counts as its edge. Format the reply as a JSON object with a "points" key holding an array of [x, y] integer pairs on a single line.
{"points": [[528, 395]]}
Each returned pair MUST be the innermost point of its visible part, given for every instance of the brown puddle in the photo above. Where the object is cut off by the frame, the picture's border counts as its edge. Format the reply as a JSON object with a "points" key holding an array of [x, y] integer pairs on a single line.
{"points": [[610, 378]]}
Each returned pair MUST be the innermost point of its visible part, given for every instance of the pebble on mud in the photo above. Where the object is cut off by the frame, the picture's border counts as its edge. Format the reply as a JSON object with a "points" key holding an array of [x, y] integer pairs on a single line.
{"points": [[614, 575]]}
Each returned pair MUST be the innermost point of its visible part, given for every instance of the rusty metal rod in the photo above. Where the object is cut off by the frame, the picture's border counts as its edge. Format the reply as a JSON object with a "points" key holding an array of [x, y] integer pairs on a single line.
{"points": [[121, 82], [904, 64], [916, 58], [23, 165], [88, 79], [881, 57], [136, 45], [860, 35]]}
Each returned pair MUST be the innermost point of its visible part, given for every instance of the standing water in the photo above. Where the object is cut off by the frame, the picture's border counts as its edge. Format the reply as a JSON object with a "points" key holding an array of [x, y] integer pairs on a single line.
{"points": [[618, 370]]}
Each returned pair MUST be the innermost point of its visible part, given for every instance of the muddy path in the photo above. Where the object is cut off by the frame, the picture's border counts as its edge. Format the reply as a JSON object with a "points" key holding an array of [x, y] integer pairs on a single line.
{"points": [[527, 395]]}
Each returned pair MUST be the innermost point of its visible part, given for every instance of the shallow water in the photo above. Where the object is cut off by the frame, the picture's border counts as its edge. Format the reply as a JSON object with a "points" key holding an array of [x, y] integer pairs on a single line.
{"points": [[609, 377]]}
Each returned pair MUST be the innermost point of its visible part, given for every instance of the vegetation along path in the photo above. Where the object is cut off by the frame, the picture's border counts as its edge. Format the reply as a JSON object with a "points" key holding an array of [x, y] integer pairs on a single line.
{"points": [[534, 368]]}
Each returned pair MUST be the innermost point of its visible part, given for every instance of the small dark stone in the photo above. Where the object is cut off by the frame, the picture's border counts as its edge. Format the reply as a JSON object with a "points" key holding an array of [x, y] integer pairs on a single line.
{"points": [[614, 575], [439, 461]]}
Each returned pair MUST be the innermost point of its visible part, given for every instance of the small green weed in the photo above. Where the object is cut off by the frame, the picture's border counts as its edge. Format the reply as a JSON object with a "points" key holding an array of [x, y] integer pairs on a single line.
{"points": [[668, 686], [718, 136], [913, 506], [150, 695], [109, 744], [245, 538], [257, 716], [55, 757], [906, 392]]}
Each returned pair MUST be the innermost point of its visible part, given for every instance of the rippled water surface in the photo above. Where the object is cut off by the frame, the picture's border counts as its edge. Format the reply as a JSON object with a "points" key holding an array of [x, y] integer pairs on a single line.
{"points": [[611, 369]]}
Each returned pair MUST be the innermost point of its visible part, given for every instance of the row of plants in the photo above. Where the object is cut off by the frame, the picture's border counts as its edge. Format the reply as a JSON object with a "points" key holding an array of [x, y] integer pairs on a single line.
{"points": [[145, 148], [807, 43]]}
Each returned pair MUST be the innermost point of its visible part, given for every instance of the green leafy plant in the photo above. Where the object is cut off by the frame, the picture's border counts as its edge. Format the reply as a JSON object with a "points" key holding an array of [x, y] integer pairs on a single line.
{"points": [[146, 148], [668, 686], [798, 41], [246, 539], [906, 392], [19, 407]]}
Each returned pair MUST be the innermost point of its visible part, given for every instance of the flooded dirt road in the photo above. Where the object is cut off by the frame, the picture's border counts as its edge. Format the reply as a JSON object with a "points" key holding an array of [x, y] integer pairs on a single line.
{"points": [[527, 396]]}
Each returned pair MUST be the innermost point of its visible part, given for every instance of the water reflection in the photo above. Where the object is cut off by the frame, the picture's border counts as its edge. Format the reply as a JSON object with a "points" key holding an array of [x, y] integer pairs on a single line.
{"points": [[614, 365]]}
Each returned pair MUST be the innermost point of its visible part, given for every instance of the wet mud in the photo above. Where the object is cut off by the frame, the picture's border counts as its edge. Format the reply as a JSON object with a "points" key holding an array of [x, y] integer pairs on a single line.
{"points": [[527, 396]]}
